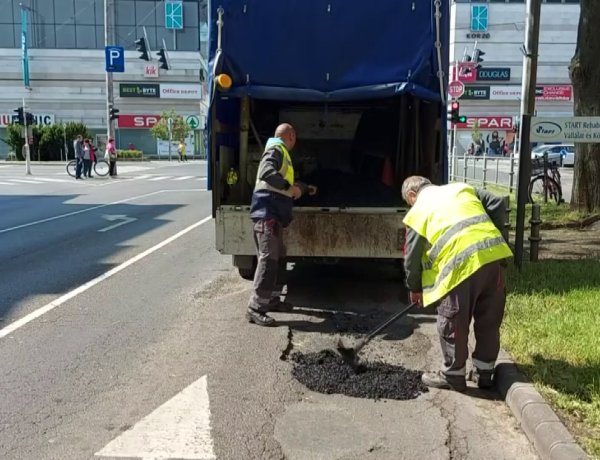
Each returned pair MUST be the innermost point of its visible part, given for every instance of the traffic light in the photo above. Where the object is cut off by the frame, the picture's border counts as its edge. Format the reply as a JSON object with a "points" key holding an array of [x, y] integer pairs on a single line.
{"points": [[454, 114], [18, 118], [477, 59], [113, 113], [141, 45], [30, 119], [163, 59]]}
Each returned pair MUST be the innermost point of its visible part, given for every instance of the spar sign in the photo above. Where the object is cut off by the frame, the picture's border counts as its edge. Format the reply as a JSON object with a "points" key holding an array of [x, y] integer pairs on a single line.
{"points": [[490, 123]]}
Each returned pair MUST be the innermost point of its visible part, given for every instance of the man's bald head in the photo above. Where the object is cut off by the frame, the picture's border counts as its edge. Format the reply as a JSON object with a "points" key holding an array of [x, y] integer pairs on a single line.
{"points": [[287, 134]]}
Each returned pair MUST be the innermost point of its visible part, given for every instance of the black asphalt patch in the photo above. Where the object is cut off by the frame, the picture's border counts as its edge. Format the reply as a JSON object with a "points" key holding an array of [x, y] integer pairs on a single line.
{"points": [[326, 372]]}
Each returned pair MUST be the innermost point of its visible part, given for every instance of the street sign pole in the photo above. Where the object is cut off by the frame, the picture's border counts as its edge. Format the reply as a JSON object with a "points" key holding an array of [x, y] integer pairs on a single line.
{"points": [[26, 146], [109, 13], [170, 127]]}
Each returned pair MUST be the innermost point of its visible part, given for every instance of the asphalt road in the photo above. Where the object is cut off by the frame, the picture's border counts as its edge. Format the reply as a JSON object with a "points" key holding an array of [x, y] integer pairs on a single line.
{"points": [[498, 172], [123, 336]]}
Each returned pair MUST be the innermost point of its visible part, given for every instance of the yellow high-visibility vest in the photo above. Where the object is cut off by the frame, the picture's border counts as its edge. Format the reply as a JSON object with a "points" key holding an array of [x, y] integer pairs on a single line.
{"points": [[461, 237], [286, 170]]}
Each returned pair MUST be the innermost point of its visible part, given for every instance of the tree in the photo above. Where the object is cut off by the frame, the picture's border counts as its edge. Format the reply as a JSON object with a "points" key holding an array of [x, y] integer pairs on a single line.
{"points": [[180, 128], [72, 130], [15, 140], [585, 76]]}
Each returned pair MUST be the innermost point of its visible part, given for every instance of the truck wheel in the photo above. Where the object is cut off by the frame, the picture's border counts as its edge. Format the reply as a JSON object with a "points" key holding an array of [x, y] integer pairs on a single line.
{"points": [[247, 273]]}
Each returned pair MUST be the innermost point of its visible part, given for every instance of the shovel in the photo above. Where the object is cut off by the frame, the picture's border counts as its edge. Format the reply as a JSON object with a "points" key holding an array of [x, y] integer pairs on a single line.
{"points": [[350, 353]]}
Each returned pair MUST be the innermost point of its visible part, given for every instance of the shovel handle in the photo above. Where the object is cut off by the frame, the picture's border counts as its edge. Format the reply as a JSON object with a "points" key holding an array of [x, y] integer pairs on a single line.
{"points": [[382, 326]]}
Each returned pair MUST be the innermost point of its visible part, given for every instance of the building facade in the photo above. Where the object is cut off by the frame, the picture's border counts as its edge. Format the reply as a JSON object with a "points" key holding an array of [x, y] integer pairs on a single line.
{"points": [[492, 94], [65, 41]]}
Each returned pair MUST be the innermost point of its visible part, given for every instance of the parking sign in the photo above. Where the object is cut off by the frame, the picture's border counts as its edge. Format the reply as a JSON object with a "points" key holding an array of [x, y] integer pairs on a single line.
{"points": [[115, 58]]}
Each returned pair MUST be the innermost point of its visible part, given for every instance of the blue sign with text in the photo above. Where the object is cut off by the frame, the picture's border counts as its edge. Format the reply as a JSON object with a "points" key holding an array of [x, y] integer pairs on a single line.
{"points": [[115, 58]]}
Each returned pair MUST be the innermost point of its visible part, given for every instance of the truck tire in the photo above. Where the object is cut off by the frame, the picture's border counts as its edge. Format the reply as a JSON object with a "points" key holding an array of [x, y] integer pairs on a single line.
{"points": [[247, 273]]}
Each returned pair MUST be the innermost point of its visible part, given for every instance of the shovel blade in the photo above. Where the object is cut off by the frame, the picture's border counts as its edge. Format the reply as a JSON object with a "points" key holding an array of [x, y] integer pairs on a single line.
{"points": [[347, 353]]}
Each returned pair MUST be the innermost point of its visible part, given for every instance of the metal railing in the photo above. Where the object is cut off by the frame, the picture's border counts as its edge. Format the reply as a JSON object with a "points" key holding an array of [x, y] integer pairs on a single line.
{"points": [[484, 170]]}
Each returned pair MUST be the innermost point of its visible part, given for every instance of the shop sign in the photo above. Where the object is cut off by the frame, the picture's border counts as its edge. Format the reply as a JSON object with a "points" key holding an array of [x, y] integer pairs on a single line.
{"points": [[138, 121], [571, 129], [481, 93], [493, 74], [495, 122], [39, 119], [139, 90], [542, 93], [180, 91]]}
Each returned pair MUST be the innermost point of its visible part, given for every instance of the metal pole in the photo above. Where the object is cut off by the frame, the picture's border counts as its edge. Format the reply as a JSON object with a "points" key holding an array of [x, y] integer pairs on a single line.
{"points": [[497, 170], [534, 238], [465, 167], [24, 49], [109, 39], [532, 34], [511, 174], [26, 136], [485, 160]]}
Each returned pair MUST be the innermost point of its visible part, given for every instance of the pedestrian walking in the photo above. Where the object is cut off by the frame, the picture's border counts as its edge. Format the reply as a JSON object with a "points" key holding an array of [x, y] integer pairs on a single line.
{"points": [[181, 151], [87, 159], [111, 157], [455, 256], [78, 149], [271, 212]]}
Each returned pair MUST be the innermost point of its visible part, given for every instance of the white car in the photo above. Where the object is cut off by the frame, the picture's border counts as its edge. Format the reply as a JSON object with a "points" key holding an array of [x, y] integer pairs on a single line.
{"points": [[556, 152], [569, 157]]}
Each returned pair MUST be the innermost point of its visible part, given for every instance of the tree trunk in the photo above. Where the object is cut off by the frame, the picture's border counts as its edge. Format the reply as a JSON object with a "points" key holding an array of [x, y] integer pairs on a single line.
{"points": [[585, 76]]}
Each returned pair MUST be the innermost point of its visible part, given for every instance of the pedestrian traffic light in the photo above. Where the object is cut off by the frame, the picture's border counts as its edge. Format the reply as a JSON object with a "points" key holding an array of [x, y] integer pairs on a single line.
{"points": [[113, 113], [30, 119], [18, 118], [477, 59], [163, 59], [454, 114], [141, 45]]}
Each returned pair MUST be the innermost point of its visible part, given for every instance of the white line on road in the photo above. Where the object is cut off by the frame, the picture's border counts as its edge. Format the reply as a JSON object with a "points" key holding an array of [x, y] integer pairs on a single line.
{"points": [[48, 179], [113, 217], [180, 428], [68, 214], [183, 178], [7, 183], [154, 179], [143, 176], [84, 287], [24, 181]]}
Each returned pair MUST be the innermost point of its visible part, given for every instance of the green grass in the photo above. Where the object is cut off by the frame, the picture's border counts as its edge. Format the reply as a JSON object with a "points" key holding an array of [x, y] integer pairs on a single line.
{"points": [[551, 213], [552, 330]]}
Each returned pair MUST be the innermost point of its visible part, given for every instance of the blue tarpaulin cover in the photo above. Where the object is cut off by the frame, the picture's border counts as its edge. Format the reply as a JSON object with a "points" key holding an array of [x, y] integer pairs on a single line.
{"points": [[329, 50]]}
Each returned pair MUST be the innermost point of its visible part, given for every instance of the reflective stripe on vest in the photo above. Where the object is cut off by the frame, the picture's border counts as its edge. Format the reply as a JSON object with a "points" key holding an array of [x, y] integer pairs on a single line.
{"points": [[286, 170], [461, 237]]}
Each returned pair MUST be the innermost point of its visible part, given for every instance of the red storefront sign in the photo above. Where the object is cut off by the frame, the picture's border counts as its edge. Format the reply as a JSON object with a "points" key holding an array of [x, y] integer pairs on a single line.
{"points": [[467, 72], [491, 123], [554, 93], [138, 121]]}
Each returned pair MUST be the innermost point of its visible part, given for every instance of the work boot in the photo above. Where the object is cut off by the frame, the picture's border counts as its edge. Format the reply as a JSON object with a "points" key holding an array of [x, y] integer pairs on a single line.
{"points": [[483, 379], [284, 307], [259, 318], [446, 382]]}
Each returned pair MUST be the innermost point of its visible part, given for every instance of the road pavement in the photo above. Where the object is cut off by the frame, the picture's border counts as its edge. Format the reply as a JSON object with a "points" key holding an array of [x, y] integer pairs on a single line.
{"points": [[123, 336]]}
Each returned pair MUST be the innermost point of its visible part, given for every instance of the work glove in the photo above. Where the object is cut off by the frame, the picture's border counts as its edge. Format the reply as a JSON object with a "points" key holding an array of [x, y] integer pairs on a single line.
{"points": [[416, 297]]}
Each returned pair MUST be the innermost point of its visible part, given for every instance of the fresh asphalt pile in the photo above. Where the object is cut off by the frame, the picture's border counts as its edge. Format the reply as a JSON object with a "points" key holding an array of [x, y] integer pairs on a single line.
{"points": [[326, 372]]}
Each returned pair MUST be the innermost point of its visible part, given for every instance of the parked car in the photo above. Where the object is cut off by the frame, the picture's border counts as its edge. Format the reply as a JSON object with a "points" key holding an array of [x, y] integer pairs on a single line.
{"points": [[569, 156], [556, 152]]}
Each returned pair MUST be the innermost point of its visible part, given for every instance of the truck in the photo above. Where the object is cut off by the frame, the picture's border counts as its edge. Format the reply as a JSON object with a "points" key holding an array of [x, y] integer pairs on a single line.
{"points": [[363, 83]]}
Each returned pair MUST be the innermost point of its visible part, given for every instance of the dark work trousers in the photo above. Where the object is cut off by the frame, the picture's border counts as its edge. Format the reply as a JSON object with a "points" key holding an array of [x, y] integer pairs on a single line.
{"points": [[480, 298], [271, 267], [112, 168], [87, 168], [78, 167]]}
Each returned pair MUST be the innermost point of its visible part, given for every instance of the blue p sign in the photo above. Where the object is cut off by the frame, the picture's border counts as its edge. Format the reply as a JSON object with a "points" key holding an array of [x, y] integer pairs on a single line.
{"points": [[115, 58]]}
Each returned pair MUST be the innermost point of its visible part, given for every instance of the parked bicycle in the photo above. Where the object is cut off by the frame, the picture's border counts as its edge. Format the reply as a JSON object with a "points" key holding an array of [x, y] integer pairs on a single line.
{"points": [[545, 182], [100, 168]]}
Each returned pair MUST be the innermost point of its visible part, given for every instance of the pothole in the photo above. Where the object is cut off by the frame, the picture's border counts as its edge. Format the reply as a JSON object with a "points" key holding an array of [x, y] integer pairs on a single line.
{"points": [[326, 372]]}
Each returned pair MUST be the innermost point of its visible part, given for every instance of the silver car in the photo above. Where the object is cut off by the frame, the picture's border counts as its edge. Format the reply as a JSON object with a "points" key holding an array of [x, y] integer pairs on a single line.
{"points": [[556, 152]]}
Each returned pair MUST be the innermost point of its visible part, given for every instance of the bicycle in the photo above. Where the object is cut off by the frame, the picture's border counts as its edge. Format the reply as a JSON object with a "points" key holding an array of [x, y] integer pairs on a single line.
{"points": [[100, 168], [546, 184]]}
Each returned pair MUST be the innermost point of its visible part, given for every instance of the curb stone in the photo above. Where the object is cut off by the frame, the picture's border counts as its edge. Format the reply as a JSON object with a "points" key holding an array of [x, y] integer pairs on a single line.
{"points": [[542, 426]]}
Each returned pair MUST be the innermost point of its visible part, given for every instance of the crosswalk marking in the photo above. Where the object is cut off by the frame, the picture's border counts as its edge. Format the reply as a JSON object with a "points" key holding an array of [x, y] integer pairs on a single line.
{"points": [[143, 176], [6, 183], [48, 179], [184, 178], [23, 181], [154, 179]]}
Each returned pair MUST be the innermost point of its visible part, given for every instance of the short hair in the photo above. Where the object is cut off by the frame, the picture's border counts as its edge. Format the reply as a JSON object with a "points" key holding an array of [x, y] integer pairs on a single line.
{"points": [[414, 184]]}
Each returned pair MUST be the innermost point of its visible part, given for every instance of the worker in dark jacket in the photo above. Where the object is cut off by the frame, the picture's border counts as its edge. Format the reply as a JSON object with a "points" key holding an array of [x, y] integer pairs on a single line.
{"points": [[454, 256], [271, 211]]}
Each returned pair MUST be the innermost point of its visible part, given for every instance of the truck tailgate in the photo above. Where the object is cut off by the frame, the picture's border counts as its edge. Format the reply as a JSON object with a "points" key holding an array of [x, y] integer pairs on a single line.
{"points": [[318, 232]]}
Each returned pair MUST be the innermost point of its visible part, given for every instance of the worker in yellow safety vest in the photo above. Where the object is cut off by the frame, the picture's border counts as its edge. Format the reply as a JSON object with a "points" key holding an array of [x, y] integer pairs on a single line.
{"points": [[454, 256], [271, 211]]}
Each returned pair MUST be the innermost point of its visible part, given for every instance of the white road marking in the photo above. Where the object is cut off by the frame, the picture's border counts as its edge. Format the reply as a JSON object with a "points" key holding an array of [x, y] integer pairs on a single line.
{"points": [[7, 183], [47, 179], [143, 176], [25, 181], [159, 178], [114, 217], [183, 178], [68, 214], [84, 287], [180, 428]]}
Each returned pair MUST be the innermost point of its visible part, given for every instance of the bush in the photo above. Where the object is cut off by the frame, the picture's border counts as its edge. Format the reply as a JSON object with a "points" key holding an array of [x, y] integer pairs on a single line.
{"points": [[72, 130], [15, 140], [130, 154]]}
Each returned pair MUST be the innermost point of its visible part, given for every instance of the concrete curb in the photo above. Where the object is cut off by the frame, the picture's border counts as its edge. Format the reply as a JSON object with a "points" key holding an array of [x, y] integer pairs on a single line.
{"points": [[542, 426]]}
